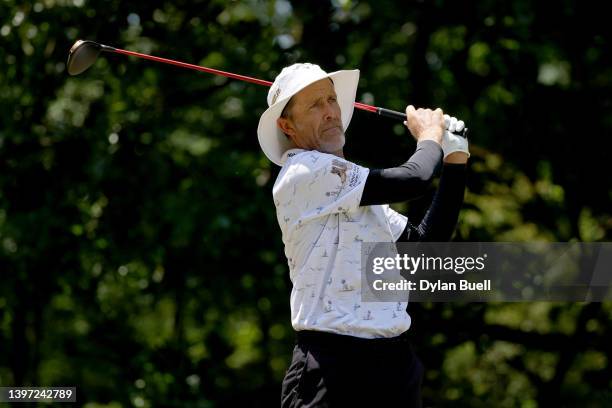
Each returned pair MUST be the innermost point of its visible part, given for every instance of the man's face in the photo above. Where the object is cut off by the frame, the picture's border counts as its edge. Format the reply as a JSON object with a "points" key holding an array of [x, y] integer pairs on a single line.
{"points": [[314, 119]]}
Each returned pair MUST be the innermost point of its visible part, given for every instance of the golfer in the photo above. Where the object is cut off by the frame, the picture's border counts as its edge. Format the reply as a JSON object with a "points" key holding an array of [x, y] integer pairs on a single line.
{"points": [[350, 353]]}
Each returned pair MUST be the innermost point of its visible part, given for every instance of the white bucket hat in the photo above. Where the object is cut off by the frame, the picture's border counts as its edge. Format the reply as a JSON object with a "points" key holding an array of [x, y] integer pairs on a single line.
{"points": [[290, 81]]}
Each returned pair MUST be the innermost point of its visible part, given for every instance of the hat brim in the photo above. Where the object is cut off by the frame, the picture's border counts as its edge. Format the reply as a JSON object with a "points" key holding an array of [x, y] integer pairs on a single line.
{"points": [[274, 142]]}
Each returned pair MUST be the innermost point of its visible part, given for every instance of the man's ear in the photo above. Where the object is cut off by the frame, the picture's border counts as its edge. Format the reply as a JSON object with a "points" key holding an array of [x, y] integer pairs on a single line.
{"points": [[286, 127]]}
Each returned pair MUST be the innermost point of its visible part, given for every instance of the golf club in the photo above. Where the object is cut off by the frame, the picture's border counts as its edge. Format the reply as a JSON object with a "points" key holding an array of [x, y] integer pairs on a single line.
{"points": [[84, 53]]}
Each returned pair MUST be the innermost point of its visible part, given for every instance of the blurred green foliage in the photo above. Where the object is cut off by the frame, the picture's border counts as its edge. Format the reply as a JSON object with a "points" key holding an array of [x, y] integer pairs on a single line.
{"points": [[140, 258]]}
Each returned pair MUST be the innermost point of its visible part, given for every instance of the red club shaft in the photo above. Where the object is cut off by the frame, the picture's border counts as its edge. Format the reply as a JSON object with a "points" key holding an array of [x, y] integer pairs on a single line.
{"points": [[257, 81], [192, 66], [369, 108]]}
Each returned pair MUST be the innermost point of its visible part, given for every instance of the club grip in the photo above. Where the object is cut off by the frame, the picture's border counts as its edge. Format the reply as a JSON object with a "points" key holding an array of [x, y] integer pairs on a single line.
{"points": [[402, 116]]}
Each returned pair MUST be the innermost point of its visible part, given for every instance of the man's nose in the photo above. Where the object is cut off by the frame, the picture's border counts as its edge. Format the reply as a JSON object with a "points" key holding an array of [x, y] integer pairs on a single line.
{"points": [[329, 111]]}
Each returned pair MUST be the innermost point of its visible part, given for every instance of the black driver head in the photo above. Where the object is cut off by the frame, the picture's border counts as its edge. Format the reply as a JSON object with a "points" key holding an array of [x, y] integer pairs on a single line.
{"points": [[82, 55]]}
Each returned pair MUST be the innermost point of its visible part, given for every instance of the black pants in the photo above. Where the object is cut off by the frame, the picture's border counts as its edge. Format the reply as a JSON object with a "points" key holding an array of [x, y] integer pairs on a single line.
{"points": [[330, 370]]}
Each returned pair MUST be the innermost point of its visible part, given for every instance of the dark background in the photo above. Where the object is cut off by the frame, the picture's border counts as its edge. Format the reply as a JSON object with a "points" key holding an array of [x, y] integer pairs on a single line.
{"points": [[140, 256]]}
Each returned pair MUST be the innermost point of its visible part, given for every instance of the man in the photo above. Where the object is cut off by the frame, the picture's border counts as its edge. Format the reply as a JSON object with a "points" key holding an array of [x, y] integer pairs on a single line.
{"points": [[349, 352]]}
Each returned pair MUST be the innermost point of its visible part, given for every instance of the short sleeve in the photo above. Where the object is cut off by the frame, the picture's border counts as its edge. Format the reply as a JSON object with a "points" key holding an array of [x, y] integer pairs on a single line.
{"points": [[316, 184], [397, 222]]}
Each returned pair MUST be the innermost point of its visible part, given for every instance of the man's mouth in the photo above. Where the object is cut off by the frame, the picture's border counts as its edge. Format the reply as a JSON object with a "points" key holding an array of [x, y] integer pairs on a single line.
{"points": [[332, 128]]}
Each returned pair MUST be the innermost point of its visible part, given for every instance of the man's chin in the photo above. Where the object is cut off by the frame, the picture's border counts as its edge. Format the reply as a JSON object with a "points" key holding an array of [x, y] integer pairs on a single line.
{"points": [[333, 145]]}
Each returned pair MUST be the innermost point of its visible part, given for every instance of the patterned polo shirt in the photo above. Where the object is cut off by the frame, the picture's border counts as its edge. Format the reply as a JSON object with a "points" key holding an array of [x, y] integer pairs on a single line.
{"points": [[317, 197]]}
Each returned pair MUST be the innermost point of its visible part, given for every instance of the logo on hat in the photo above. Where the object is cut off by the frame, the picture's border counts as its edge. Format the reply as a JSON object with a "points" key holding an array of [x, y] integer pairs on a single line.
{"points": [[278, 91]]}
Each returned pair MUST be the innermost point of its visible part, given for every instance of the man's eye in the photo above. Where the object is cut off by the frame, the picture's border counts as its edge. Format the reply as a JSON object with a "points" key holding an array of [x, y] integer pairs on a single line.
{"points": [[332, 99]]}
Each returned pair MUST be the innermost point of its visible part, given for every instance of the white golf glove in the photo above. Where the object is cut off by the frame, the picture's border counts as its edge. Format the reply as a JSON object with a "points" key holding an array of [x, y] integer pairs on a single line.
{"points": [[451, 142]]}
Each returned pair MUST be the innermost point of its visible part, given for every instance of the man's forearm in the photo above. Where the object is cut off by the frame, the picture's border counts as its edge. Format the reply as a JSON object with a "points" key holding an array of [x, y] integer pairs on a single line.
{"points": [[406, 182], [441, 218]]}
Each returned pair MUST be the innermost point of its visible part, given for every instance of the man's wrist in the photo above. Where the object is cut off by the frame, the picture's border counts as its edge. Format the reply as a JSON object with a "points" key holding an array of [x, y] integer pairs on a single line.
{"points": [[430, 136]]}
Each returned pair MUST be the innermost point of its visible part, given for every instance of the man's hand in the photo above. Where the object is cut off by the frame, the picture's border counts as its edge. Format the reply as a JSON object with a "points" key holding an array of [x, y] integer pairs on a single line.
{"points": [[425, 124], [455, 147]]}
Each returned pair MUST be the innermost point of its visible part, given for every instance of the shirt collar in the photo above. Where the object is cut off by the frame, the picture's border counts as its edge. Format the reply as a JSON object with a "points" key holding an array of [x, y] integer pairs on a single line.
{"points": [[290, 153]]}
